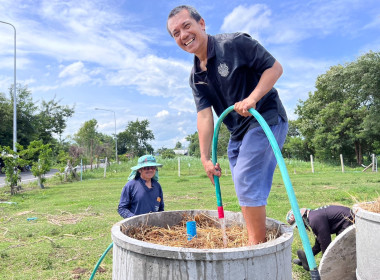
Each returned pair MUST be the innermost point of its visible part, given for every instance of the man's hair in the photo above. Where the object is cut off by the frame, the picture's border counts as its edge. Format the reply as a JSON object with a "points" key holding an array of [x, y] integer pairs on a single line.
{"points": [[192, 11]]}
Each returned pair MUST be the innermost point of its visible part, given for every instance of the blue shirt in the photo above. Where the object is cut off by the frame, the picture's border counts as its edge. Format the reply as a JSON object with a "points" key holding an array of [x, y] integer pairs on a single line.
{"points": [[235, 63], [136, 198]]}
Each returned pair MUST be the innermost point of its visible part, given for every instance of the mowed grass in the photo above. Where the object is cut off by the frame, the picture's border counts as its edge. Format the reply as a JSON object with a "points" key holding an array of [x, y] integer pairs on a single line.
{"points": [[73, 220]]}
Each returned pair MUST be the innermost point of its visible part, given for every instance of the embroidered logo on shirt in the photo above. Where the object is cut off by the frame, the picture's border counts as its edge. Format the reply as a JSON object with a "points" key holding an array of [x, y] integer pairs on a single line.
{"points": [[223, 69]]}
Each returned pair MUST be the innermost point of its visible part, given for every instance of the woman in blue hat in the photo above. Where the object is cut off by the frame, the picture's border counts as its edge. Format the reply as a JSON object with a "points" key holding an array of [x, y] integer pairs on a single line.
{"points": [[142, 194]]}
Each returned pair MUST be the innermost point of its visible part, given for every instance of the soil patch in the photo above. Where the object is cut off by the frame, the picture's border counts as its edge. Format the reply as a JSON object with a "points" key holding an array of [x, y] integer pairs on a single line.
{"points": [[209, 234]]}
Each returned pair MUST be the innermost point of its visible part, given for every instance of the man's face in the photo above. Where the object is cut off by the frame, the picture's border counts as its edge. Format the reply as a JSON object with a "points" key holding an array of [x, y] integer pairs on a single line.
{"points": [[189, 34], [147, 172]]}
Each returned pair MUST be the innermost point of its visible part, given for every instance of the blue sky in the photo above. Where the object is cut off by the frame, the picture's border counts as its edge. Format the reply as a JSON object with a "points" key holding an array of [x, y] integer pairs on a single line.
{"points": [[117, 55]]}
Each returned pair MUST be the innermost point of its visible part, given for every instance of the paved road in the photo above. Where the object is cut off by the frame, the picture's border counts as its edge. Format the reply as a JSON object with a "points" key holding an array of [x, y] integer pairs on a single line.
{"points": [[27, 176]]}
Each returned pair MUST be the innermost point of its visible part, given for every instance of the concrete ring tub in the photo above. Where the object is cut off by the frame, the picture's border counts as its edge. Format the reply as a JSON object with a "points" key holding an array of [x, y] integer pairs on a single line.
{"points": [[134, 259]]}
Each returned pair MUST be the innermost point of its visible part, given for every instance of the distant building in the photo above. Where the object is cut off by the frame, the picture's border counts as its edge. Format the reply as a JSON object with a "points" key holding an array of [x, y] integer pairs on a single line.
{"points": [[181, 152]]}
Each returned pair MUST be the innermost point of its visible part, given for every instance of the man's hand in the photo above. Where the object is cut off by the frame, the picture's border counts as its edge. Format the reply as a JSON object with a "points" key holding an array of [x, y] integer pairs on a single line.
{"points": [[242, 107], [212, 170]]}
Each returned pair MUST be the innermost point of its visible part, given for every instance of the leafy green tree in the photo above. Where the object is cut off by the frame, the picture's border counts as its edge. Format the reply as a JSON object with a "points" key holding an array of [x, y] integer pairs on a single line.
{"points": [[52, 119], [26, 122], [338, 118], [167, 153], [295, 146], [40, 156], [6, 116], [33, 123], [134, 140], [178, 145], [12, 161], [223, 139], [193, 148], [87, 137]]}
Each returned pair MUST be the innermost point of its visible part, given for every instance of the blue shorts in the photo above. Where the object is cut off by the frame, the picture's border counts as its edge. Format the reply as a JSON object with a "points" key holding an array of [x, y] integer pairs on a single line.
{"points": [[252, 164]]}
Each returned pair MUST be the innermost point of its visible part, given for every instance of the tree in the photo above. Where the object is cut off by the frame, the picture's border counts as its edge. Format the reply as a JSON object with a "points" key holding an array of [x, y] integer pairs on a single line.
{"points": [[33, 123], [26, 122], [6, 116], [87, 138], [52, 119], [12, 161], [134, 140], [40, 156], [193, 145], [223, 140], [167, 153], [295, 145], [338, 118], [178, 146]]}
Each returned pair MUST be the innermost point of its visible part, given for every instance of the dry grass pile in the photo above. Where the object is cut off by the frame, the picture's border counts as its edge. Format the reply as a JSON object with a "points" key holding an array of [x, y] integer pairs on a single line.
{"points": [[372, 207], [209, 234]]}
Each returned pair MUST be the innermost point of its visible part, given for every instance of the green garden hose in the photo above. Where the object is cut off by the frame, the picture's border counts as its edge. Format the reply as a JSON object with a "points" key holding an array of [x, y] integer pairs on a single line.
{"points": [[285, 176], [100, 261]]}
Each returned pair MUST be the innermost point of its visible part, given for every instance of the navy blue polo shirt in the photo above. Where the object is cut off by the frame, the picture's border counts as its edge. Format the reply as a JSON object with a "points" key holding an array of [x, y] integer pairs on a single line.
{"points": [[136, 198], [235, 63]]}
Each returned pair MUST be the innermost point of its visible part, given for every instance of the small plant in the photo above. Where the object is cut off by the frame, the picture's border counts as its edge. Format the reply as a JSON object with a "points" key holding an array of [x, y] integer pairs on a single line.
{"points": [[12, 162], [43, 154]]}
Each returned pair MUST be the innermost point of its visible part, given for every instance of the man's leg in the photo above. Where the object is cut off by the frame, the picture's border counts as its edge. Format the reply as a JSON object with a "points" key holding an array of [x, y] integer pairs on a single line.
{"points": [[255, 218]]}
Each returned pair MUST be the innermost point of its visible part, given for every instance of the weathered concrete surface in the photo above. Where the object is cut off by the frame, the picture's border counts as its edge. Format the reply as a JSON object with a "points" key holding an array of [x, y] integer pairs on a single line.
{"points": [[339, 260], [138, 260], [367, 244]]}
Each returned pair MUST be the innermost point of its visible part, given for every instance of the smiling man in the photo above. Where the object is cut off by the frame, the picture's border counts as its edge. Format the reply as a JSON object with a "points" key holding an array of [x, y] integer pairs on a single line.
{"points": [[234, 69]]}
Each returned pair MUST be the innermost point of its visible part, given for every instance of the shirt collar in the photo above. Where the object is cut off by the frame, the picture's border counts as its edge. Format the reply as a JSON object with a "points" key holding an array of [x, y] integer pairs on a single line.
{"points": [[210, 51]]}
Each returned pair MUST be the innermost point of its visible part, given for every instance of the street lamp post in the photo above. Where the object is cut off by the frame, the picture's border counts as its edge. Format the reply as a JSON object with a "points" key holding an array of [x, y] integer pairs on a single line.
{"points": [[14, 92], [114, 115]]}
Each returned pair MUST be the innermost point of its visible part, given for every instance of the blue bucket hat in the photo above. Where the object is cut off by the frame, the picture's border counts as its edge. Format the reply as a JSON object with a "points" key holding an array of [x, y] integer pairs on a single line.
{"points": [[146, 160]]}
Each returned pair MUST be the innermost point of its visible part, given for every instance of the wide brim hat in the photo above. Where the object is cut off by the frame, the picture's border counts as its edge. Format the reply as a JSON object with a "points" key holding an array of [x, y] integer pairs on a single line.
{"points": [[147, 160], [291, 219]]}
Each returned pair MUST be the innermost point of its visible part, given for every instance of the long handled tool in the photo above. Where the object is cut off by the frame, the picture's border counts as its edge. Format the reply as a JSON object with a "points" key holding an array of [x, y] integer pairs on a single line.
{"points": [[285, 177]]}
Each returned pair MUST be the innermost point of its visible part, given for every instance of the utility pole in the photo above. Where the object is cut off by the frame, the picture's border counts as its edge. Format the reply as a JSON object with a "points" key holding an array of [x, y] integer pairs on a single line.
{"points": [[14, 92]]}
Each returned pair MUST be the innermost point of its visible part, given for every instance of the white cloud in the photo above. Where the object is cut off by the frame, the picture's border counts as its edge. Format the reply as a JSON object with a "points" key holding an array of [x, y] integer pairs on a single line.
{"points": [[75, 73], [73, 69], [297, 21], [374, 23], [162, 114], [43, 88], [250, 19], [5, 83], [154, 76]]}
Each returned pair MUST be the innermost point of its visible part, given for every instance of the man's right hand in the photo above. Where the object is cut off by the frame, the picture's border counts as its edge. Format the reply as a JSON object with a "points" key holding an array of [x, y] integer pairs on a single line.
{"points": [[212, 170]]}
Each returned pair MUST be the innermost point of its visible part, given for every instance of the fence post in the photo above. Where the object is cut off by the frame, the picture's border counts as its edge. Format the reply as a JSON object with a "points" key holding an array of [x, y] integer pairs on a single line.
{"points": [[312, 163], [341, 162], [373, 162], [179, 167], [105, 167], [81, 169]]}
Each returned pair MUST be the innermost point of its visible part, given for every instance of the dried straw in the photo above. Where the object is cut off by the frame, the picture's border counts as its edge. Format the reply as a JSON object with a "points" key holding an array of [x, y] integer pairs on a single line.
{"points": [[371, 207], [209, 234]]}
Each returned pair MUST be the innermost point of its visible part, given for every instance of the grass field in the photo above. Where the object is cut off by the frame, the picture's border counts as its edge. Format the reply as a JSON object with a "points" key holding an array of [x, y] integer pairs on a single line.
{"points": [[73, 220]]}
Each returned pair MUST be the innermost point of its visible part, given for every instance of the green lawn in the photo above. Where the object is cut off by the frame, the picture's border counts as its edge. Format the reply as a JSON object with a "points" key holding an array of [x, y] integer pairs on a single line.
{"points": [[74, 220]]}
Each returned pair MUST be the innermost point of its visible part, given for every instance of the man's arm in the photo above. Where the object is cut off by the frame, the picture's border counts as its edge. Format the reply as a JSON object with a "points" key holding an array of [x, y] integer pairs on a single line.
{"points": [[205, 124], [316, 248], [321, 229], [266, 83]]}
